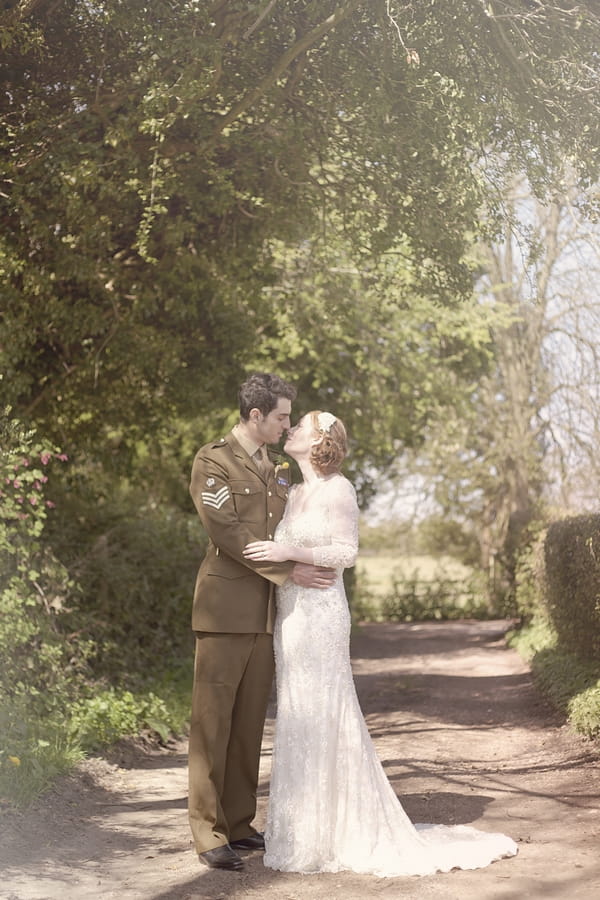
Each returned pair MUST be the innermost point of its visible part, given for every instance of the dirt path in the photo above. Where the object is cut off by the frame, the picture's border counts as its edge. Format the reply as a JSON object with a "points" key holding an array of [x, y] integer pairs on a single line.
{"points": [[463, 737]]}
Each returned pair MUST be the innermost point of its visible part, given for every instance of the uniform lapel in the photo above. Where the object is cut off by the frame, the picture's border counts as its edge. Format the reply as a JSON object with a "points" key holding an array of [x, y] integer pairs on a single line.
{"points": [[243, 457]]}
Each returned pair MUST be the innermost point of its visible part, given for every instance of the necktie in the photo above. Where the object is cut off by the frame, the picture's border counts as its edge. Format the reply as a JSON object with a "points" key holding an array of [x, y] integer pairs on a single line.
{"points": [[263, 463]]}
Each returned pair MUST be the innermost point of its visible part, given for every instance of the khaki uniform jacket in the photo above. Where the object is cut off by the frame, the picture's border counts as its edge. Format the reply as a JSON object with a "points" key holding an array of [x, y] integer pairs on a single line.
{"points": [[236, 505]]}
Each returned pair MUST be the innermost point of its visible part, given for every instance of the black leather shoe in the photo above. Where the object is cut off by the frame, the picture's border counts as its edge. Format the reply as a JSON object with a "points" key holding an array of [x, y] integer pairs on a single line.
{"points": [[221, 858], [254, 842]]}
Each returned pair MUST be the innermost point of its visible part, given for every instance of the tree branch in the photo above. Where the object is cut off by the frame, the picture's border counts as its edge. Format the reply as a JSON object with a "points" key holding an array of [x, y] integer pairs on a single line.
{"points": [[284, 61], [265, 11], [22, 10]]}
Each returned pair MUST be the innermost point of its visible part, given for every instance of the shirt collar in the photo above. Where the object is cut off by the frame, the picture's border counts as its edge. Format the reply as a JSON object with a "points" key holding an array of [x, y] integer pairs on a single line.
{"points": [[246, 443]]}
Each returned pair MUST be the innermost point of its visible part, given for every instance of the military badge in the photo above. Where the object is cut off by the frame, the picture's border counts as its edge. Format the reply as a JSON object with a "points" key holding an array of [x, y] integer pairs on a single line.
{"points": [[216, 499], [282, 474], [210, 482]]}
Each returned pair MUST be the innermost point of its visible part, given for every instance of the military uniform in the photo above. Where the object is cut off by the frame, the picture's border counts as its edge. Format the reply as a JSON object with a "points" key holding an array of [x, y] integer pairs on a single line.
{"points": [[233, 615]]}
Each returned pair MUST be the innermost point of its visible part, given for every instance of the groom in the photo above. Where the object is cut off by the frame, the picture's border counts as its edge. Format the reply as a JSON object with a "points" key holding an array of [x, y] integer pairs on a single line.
{"points": [[240, 498]]}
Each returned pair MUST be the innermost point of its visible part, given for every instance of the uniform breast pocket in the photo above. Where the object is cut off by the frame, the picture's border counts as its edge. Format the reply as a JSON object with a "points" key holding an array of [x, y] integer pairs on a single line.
{"points": [[249, 501], [281, 495], [282, 491]]}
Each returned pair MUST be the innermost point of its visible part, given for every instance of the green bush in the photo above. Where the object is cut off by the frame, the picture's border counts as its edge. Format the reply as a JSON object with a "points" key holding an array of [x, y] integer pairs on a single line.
{"points": [[111, 714], [95, 601], [39, 663], [136, 567], [571, 683], [530, 579], [413, 600], [42, 660], [438, 535], [562, 676], [533, 637], [35, 750], [557, 594], [572, 583], [584, 711], [364, 603]]}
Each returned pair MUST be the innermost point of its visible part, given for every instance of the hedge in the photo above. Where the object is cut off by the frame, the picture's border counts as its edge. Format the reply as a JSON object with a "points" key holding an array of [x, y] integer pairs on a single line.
{"points": [[572, 583]]}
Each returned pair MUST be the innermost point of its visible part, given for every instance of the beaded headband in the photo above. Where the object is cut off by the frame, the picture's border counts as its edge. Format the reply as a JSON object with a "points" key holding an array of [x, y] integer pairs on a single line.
{"points": [[325, 420]]}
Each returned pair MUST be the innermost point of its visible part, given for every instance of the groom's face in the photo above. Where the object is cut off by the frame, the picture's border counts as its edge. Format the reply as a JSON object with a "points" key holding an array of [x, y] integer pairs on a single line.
{"points": [[271, 427]]}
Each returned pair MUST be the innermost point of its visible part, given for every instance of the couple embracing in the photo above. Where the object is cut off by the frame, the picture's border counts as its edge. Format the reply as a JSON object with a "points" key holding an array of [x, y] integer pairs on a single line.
{"points": [[270, 592]]}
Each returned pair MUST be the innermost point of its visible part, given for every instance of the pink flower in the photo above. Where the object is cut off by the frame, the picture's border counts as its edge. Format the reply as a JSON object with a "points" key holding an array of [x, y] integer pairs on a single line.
{"points": [[37, 485], [22, 515], [33, 501], [43, 479], [50, 504], [16, 483], [24, 462], [62, 456], [45, 457], [19, 499]]}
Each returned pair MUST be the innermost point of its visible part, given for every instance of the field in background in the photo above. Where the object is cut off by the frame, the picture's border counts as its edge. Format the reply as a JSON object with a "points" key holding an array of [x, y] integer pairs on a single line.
{"points": [[408, 588], [379, 571]]}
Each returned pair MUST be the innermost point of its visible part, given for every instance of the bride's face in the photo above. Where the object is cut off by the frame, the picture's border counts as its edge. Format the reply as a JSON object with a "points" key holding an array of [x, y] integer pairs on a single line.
{"points": [[301, 439]]}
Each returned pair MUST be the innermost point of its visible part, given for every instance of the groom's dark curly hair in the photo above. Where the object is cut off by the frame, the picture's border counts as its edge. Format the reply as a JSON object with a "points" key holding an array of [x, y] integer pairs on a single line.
{"points": [[262, 391]]}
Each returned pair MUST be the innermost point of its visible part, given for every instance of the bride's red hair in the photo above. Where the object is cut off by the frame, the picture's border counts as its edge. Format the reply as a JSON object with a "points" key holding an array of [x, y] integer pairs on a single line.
{"points": [[328, 455]]}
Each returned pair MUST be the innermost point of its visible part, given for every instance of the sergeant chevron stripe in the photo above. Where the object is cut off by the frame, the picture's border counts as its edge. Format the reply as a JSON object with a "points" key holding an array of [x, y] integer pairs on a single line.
{"points": [[216, 499]]}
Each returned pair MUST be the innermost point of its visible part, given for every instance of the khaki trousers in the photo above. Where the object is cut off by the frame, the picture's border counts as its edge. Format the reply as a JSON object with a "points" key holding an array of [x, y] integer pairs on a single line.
{"points": [[233, 674]]}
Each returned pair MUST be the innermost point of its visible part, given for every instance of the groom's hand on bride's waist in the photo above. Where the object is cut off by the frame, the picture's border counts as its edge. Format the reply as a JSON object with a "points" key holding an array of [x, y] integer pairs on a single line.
{"points": [[309, 576]]}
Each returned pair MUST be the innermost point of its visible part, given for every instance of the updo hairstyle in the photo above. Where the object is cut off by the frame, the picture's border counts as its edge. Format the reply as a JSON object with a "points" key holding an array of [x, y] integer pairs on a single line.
{"points": [[327, 456]]}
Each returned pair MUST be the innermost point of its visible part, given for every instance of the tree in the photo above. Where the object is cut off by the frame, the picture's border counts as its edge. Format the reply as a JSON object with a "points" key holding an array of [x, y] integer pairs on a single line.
{"points": [[367, 345], [505, 459], [547, 364], [156, 152]]}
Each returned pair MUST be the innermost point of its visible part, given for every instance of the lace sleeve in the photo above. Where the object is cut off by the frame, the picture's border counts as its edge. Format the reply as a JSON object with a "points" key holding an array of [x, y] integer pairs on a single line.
{"points": [[342, 511]]}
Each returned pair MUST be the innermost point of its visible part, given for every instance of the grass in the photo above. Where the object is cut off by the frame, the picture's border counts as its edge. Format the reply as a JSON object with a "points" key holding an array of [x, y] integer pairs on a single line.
{"points": [[570, 683], [381, 570], [34, 751]]}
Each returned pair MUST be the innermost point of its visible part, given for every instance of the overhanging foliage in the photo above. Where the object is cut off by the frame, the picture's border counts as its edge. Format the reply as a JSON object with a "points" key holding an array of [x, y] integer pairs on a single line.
{"points": [[157, 150]]}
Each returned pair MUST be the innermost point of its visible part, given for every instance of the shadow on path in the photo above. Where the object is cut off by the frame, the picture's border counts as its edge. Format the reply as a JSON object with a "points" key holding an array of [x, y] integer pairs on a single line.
{"points": [[461, 733]]}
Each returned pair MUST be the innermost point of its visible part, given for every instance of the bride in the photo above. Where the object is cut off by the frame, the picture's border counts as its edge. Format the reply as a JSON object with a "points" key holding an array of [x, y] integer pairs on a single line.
{"points": [[331, 806]]}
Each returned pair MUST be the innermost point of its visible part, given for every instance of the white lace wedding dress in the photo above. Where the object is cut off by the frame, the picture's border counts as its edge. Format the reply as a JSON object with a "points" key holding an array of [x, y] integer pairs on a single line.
{"points": [[331, 806]]}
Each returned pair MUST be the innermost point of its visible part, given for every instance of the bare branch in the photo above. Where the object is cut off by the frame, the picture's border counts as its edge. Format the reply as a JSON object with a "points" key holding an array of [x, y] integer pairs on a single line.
{"points": [[283, 63], [265, 12]]}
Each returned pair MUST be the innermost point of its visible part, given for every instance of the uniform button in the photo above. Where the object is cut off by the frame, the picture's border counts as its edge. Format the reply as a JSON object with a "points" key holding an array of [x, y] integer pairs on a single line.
{"points": [[270, 493], [247, 490], [270, 537], [270, 515]]}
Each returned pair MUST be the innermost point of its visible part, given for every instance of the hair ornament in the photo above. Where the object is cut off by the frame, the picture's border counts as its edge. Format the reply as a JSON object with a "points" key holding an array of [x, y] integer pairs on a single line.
{"points": [[325, 420]]}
